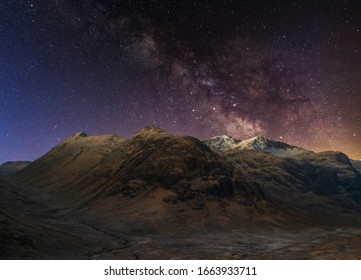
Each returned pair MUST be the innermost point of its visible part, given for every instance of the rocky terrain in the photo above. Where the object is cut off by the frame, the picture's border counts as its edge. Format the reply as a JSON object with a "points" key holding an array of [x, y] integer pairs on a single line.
{"points": [[161, 196]]}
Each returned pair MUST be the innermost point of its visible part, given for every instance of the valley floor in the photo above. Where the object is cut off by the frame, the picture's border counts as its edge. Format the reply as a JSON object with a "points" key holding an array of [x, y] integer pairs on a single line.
{"points": [[31, 230]]}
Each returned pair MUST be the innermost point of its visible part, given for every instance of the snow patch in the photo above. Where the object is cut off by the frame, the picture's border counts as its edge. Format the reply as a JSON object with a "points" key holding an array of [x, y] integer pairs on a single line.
{"points": [[258, 143]]}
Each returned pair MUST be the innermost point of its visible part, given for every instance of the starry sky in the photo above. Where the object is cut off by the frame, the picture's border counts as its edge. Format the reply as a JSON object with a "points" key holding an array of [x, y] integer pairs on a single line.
{"points": [[287, 70]]}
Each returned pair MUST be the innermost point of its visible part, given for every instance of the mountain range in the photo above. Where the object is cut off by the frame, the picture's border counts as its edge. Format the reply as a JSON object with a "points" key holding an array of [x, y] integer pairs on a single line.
{"points": [[122, 198], [258, 143]]}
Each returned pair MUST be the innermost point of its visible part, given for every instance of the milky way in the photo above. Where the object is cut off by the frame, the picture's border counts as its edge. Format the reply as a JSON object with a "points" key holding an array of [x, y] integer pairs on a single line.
{"points": [[287, 70]]}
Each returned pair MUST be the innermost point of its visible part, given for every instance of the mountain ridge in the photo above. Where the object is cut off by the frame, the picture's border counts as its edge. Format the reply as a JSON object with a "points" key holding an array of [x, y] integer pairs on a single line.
{"points": [[157, 187], [183, 169], [257, 143]]}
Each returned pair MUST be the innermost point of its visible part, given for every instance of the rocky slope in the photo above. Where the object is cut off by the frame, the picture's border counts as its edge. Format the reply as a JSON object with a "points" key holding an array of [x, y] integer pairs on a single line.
{"points": [[159, 178], [151, 180], [159, 184]]}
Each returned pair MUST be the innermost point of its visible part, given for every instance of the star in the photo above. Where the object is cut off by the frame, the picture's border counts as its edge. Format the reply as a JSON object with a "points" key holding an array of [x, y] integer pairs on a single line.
{"points": [[110, 68]]}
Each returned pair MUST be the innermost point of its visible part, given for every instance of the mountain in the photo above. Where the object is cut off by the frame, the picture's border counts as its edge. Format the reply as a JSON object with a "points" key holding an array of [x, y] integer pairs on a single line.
{"points": [[162, 178], [258, 143], [171, 176], [165, 190], [222, 143], [356, 164], [13, 166]]}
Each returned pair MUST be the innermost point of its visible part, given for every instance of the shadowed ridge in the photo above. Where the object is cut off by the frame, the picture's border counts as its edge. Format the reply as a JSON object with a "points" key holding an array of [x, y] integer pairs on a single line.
{"points": [[154, 176], [151, 172]]}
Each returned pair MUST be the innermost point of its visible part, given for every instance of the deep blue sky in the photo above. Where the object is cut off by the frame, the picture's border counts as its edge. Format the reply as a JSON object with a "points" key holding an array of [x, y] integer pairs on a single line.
{"points": [[289, 70]]}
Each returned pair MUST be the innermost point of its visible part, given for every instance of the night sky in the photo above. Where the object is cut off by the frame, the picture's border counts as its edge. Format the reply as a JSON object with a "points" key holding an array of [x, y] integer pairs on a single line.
{"points": [[287, 70]]}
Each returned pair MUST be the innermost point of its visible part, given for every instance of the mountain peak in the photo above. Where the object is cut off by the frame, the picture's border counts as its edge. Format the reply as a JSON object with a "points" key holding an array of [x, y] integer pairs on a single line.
{"points": [[258, 138], [222, 142], [80, 134], [75, 137], [150, 130], [258, 143]]}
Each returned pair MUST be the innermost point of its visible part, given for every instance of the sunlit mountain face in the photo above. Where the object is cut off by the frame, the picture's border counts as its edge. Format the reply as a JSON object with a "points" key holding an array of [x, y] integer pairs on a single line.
{"points": [[110, 197], [289, 72]]}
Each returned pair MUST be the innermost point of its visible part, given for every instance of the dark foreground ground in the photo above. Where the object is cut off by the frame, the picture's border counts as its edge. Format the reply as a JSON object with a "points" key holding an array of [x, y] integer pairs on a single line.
{"points": [[32, 230]]}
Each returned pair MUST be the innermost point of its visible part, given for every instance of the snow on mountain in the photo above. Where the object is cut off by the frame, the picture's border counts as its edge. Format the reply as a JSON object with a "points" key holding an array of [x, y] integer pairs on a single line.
{"points": [[258, 143], [223, 143]]}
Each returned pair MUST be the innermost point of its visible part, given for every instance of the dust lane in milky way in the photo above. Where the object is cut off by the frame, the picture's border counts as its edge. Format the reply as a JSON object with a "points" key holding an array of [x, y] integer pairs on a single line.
{"points": [[288, 71]]}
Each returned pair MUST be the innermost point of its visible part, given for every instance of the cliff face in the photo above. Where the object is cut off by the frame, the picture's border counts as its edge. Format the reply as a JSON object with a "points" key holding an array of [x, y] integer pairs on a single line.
{"points": [[152, 179], [160, 179], [107, 196]]}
